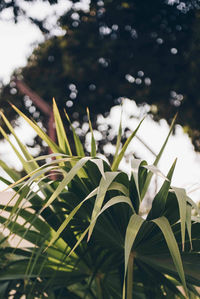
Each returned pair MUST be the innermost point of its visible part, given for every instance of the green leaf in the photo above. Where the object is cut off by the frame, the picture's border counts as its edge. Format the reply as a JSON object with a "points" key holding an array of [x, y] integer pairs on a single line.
{"points": [[78, 144], [40, 132], [119, 187], [99, 164], [132, 230], [33, 164], [11, 172], [21, 197], [130, 276], [133, 193], [163, 263], [38, 223], [165, 227], [182, 203], [79, 241], [159, 202], [189, 223], [193, 204], [103, 187], [61, 134], [93, 143], [150, 174], [161, 281], [70, 216], [116, 200], [111, 202], [155, 170], [68, 177], [135, 164], [27, 166], [119, 137], [118, 159], [135, 169]]}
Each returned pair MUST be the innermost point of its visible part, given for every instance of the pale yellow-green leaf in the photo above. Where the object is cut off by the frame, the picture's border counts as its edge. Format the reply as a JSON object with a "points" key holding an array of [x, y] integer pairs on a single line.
{"points": [[78, 144], [60, 131], [23, 148], [195, 219], [135, 165], [188, 223], [193, 204], [68, 177], [132, 230], [11, 172], [27, 166], [119, 136], [155, 171], [150, 174], [116, 200], [79, 241], [119, 187], [119, 157], [93, 143], [54, 147], [165, 227], [182, 203], [99, 164], [103, 187]]}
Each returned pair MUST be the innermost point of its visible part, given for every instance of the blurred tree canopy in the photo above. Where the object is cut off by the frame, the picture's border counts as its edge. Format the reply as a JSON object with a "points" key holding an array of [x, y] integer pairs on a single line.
{"points": [[146, 51]]}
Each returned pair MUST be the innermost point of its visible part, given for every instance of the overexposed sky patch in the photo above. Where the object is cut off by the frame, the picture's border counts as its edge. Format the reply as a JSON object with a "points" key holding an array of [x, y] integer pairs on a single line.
{"points": [[18, 40], [15, 45]]}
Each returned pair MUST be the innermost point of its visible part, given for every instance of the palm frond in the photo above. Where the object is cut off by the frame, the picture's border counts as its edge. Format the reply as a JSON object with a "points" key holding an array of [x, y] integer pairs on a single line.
{"points": [[88, 237]]}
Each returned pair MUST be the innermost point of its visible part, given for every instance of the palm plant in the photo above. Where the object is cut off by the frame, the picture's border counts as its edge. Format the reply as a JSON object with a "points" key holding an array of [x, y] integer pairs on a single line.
{"points": [[83, 219]]}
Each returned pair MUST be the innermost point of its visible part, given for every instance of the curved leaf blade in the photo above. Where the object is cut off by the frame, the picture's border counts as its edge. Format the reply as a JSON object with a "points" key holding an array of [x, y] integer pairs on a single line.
{"points": [[103, 187], [182, 203], [132, 230], [165, 227], [149, 177], [61, 134], [54, 147]]}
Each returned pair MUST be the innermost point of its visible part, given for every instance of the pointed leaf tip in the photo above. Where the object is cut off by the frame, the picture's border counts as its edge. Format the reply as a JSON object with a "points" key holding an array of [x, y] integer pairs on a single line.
{"points": [[119, 157], [67, 116]]}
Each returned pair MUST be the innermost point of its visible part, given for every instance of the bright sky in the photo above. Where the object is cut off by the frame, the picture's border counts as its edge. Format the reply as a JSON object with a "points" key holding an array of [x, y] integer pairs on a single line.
{"points": [[16, 45], [18, 40]]}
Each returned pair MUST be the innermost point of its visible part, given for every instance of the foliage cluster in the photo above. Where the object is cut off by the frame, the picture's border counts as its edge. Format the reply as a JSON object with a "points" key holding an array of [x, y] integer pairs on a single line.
{"points": [[73, 196]]}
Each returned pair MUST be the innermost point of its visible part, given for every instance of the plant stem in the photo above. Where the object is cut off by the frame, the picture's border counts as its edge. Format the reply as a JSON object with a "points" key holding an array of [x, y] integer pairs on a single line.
{"points": [[130, 276], [99, 291]]}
